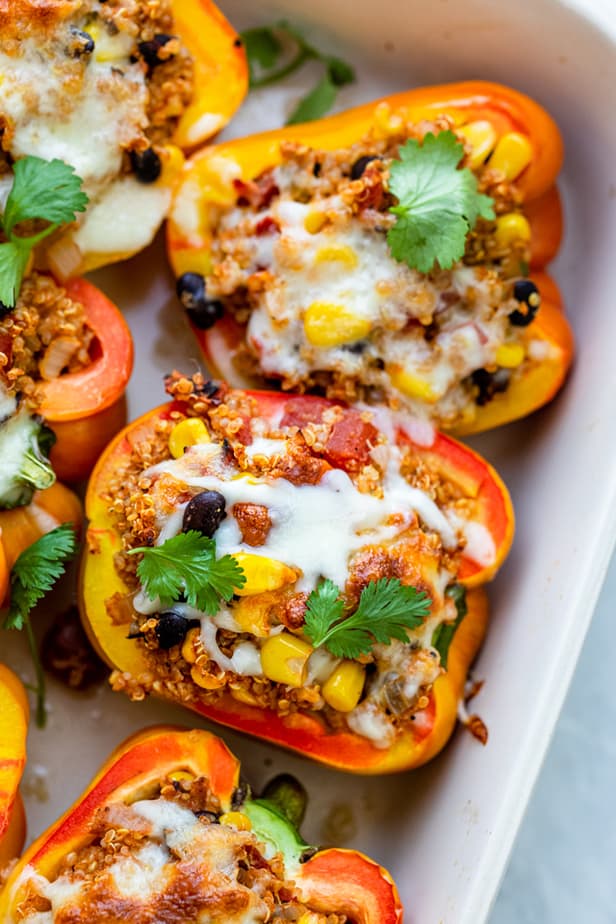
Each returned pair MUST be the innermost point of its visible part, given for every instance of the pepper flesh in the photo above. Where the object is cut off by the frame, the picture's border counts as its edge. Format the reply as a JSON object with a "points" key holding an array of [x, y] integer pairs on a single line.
{"points": [[299, 731], [86, 408], [208, 183], [14, 714], [22, 526], [334, 880]]}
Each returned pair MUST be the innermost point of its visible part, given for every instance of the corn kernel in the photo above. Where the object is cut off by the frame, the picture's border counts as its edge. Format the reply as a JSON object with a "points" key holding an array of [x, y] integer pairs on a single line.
{"points": [[412, 385], [482, 137], [512, 154], [252, 613], [509, 355], [206, 681], [343, 688], [187, 433], [190, 260], [262, 573], [329, 325], [243, 696], [314, 221], [511, 227], [284, 658], [180, 776], [388, 122], [188, 646], [340, 254], [236, 820]]}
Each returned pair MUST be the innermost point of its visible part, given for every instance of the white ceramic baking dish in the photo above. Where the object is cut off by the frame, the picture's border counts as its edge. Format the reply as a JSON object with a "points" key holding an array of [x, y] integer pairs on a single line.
{"points": [[444, 831]]}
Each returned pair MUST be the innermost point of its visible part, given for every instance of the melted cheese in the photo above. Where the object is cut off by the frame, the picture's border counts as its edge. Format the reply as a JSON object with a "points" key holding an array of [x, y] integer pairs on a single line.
{"points": [[316, 528]]}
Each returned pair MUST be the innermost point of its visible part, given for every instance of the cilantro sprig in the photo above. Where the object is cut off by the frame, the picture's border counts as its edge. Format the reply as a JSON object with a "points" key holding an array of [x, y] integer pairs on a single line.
{"points": [[45, 190], [442, 636], [186, 566], [33, 575], [275, 52], [438, 204], [387, 609]]}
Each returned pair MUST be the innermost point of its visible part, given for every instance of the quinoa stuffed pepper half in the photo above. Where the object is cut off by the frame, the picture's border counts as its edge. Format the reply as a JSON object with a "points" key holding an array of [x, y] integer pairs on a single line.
{"points": [[393, 253], [117, 88], [296, 568], [166, 832], [66, 355]]}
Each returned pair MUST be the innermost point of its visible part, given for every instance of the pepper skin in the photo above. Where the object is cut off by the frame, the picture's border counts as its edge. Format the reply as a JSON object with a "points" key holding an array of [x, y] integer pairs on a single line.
{"points": [[340, 881], [22, 526], [207, 183], [221, 70], [86, 408], [299, 731], [13, 728]]}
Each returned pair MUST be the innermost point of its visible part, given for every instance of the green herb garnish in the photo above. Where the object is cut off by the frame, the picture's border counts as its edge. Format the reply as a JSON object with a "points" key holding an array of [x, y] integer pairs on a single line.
{"points": [[438, 204], [387, 609], [276, 51], [443, 634], [186, 566], [33, 575], [42, 190]]}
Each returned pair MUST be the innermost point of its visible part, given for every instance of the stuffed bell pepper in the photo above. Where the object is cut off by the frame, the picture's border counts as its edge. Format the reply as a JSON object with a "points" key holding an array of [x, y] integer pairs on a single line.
{"points": [[299, 569], [66, 355], [118, 90], [13, 729], [167, 832], [394, 253]]}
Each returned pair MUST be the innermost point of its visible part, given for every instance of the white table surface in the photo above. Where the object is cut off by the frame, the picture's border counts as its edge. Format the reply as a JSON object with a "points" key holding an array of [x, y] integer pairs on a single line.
{"points": [[562, 867]]}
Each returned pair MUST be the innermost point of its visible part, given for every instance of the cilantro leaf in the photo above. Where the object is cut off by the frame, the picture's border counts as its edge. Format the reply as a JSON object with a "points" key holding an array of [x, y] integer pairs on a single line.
{"points": [[442, 636], [186, 565], [267, 46], [438, 204], [44, 189], [263, 50], [316, 103], [47, 190], [13, 261], [34, 573], [387, 609]]}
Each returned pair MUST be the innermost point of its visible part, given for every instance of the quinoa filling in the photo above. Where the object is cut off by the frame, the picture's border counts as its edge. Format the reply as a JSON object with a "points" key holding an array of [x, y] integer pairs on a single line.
{"points": [[45, 335], [171, 849], [301, 500], [301, 262]]}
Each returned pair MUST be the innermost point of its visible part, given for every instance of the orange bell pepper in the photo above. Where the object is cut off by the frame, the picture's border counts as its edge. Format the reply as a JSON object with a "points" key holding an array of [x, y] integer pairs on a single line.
{"points": [[14, 713], [221, 70], [300, 731], [22, 526], [208, 179], [334, 881], [86, 408]]}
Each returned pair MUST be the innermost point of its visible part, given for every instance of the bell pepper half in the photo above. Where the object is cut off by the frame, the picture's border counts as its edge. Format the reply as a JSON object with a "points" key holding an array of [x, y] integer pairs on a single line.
{"points": [[14, 714], [300, 731], [86, 408], [330, 881], [209, 178]]}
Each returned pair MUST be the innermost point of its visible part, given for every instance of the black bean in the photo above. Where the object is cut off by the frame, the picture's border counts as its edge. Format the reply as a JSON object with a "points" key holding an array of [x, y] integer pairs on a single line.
{"points": [[204, 512], [240, 794], [82, 43], [202, 311], [489, 384], [150, 51], [527, 294], [146, 165], [360, 165], [4, 309], [171, 628]]}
